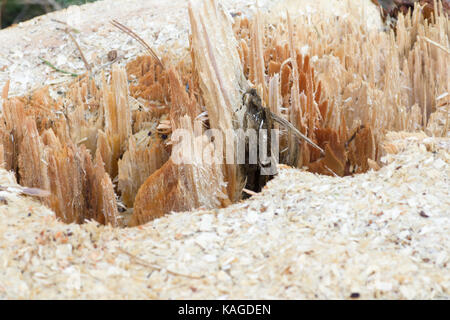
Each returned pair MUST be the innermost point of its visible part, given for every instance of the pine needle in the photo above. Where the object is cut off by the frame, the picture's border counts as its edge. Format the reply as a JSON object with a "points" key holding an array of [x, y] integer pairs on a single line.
{"points": [[87, 65], [132, 34], [57, 69]]}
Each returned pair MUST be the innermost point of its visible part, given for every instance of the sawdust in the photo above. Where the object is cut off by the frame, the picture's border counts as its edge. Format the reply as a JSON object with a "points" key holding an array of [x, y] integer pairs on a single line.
{"points": [[383, 234]]}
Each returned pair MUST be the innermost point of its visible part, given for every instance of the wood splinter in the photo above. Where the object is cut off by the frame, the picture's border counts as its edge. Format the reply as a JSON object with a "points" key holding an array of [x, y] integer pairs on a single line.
{"points": [[122, 130]]}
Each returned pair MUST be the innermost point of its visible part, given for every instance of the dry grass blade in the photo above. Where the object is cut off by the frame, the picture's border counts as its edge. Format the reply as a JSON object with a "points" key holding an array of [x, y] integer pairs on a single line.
{"points": [[132, 34]]}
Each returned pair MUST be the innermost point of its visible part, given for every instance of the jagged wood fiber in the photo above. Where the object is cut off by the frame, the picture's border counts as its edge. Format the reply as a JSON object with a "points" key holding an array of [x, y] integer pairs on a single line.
{"points": [[106, 145]]}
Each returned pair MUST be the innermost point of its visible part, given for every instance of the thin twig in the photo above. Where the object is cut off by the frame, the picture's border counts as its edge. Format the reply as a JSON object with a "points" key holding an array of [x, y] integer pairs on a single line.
{"points": [[87, 65], [132, 34], [155, 267], [57, 69]]}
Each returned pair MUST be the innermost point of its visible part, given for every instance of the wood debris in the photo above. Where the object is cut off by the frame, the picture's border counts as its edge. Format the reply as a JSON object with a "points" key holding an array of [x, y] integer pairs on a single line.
{"points": [[381, 234], [331, 87]]}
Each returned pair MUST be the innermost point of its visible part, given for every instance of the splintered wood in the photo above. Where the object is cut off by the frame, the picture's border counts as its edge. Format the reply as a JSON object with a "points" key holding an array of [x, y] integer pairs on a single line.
{"points": [[221, 78], [107, 143], [344, 86]]}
